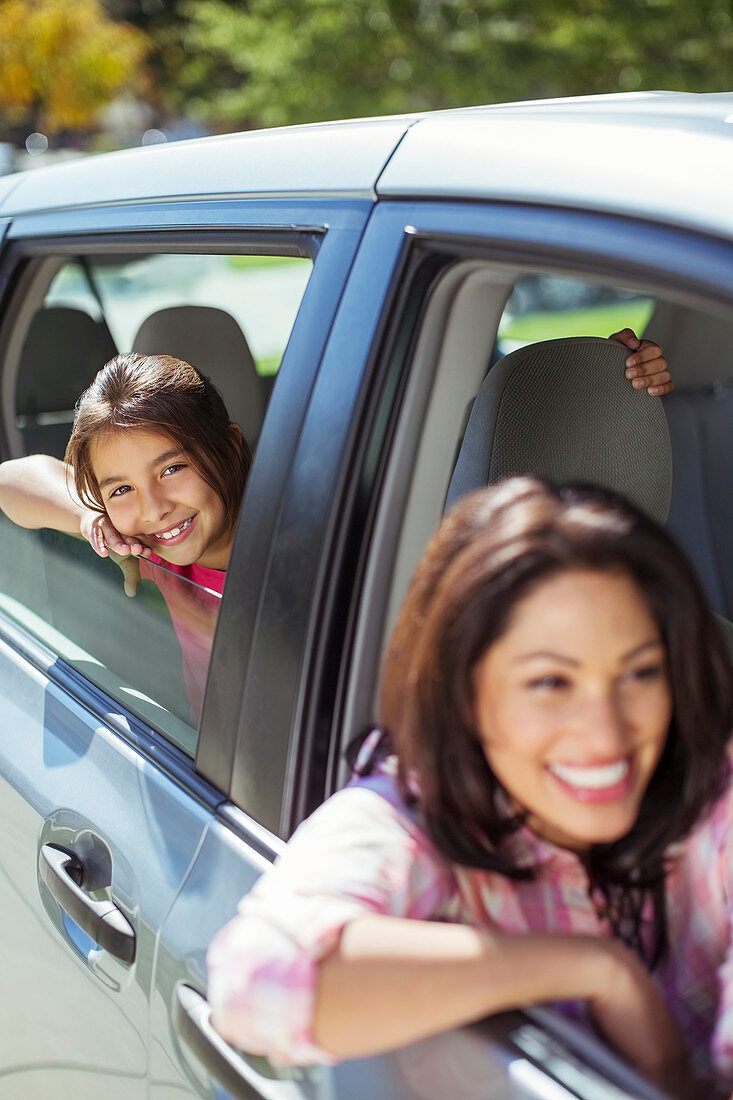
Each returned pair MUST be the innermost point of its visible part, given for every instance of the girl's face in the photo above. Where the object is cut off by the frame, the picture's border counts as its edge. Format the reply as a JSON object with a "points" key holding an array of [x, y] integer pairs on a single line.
{"points": [[152, 491], [573, 704]]}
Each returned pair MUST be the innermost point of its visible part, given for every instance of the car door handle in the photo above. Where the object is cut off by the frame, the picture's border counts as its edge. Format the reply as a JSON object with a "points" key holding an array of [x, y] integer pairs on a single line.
{"points": [[192, 1020], [107, 925]]}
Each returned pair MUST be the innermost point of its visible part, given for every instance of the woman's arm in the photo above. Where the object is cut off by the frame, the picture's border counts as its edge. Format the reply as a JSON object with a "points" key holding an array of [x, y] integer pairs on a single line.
{"points": [[391, 981], [335, 954]]}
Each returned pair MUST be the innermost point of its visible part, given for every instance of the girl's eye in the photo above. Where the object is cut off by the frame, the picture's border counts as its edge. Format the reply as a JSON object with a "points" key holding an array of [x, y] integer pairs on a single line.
{"points": [[548, 683], [120, 491], [174, 467]]}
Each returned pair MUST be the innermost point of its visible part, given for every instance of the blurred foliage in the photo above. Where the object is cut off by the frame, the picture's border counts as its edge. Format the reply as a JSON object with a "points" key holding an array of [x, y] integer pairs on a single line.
{"points": [[61, 61], [269, 62], [177, 76]]}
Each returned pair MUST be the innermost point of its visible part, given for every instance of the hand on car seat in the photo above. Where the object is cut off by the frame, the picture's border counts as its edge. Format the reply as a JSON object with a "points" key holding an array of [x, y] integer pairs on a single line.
{"points": [[646, 367]]}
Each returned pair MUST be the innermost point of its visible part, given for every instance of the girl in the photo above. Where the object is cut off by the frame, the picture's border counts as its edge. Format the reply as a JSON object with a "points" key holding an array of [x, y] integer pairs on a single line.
{"points": [[544, 817], [154, 472]]}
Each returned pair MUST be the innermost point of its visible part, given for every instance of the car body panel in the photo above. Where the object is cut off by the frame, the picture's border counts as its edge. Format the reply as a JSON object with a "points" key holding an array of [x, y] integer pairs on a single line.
{"points": [[332, 159], [608, 162], [69, 781], [214, 213]]}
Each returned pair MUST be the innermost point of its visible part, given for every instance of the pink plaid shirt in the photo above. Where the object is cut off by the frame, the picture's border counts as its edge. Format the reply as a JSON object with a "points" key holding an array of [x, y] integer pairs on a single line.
{"points": [[363, 852]]}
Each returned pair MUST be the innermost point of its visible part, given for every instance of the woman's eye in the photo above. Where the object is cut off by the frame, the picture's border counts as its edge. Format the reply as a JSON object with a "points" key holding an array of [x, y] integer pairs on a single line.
{"points": [[120, 491], [646, 672], [174, 467], [548, 683]]}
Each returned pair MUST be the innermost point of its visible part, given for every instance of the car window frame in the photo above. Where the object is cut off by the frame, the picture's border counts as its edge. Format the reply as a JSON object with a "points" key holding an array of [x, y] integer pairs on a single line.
{"points": [[326, 231], [617, 249]]}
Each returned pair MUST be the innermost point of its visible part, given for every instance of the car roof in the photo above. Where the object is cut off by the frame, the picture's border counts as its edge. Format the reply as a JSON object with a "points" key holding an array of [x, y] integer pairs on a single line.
{"points": [[659, 155], [664, 156], [323, 158]]}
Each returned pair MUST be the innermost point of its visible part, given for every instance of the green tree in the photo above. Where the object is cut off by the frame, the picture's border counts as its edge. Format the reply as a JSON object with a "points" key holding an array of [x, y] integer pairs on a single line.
{"points": [[322, 59], [177, 75], [61, 61]]}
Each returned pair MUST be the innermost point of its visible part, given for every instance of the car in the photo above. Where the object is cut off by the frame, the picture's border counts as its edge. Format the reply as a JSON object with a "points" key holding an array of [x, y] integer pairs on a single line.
{"points": [[349, 287]]}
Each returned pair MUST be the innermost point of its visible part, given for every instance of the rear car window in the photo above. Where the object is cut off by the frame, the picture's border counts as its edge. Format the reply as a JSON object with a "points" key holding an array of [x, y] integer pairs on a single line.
{"points": [[231, 317]]}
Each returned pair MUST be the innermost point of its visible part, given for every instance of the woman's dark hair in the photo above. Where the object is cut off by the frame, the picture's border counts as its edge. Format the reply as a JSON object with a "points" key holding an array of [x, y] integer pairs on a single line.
{"points": [[164, 394], [493, 547]]}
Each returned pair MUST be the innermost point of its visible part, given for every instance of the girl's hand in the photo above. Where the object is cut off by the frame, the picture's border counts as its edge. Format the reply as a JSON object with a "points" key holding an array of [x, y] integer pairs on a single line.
{"points": [[629, 1011], [646, 367], [102, 535], [104, 538]]}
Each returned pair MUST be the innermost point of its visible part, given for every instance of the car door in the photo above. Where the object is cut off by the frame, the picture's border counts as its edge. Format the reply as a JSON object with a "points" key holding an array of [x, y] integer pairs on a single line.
{"points": [[413, 338], [104, 805]]}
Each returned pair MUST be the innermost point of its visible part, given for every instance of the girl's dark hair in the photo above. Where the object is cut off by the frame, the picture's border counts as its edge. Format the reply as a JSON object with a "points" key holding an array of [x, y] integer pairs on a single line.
{"points": [[164, 394], [487, 554]]}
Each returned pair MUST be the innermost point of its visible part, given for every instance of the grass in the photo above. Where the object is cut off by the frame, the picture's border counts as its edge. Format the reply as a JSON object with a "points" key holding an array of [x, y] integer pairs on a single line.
{"points": [[268, 366], [254, 263], [592, 321]]}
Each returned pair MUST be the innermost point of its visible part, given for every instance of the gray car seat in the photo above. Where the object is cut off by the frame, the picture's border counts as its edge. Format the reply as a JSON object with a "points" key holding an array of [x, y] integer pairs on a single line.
{"points": [[564, 409], [212, 341], [700, 417], [63, 350], [701, 512]]}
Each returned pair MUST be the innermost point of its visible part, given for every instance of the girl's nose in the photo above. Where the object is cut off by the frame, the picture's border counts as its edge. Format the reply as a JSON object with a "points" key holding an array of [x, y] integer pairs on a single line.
{"points": [[155, 506]]}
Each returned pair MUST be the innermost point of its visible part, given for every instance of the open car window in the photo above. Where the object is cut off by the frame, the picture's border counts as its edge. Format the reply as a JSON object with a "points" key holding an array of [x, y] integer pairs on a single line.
{"points": [[230, 316]]}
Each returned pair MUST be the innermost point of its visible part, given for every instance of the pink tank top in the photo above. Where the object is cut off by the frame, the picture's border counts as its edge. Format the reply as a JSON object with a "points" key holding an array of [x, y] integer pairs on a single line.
{"points": [[193, 608]]}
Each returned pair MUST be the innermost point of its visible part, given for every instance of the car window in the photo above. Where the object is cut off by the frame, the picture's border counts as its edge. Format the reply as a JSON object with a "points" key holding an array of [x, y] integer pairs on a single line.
{"points": [[149, 652], [230, 316], [545, 307], [474, 316], [261, 293], [492, 312]]}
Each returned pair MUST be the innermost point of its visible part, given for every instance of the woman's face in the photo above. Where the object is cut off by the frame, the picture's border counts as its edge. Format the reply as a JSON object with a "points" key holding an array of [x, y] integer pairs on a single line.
{"points": [[152, 491], [573, 705]]}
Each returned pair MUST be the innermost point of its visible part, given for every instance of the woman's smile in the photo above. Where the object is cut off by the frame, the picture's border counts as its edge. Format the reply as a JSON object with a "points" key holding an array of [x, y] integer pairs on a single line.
{"points": [[594, 782]]}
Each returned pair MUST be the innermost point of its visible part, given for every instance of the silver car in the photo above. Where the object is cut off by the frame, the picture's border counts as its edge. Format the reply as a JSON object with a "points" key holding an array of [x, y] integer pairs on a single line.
{"points": [[348, 286]]}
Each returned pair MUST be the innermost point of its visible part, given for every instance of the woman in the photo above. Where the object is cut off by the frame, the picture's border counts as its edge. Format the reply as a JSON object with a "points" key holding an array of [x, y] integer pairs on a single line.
{"points": [[541, 819]]}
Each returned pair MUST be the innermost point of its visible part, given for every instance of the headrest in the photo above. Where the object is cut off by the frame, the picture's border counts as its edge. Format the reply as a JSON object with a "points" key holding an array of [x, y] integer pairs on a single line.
{"points": [[563, 409], [64, 348], [210, 340]]}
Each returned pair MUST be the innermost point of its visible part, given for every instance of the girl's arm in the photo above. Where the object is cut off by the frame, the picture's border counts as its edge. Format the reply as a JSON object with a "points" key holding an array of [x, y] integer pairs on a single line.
{"points": [[37, 491]]}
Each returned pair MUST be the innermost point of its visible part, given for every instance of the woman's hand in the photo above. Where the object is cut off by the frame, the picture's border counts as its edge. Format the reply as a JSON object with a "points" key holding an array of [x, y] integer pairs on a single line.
{"points": [[646, 367], [104, 538], [629, 1011]]}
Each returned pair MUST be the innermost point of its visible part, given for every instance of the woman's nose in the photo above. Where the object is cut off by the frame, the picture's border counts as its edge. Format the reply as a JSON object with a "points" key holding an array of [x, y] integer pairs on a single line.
{"points": [[606, 724]]}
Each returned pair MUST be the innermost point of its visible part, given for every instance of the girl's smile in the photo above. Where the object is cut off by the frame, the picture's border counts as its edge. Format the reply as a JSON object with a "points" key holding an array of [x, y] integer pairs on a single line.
{"points": [[153, 492], [573, 705]]}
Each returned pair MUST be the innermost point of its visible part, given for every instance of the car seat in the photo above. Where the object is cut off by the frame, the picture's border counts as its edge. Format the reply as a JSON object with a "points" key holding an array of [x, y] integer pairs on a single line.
{"points": [[63, 350], [563, 409], [212, 341], [700, 417]]}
